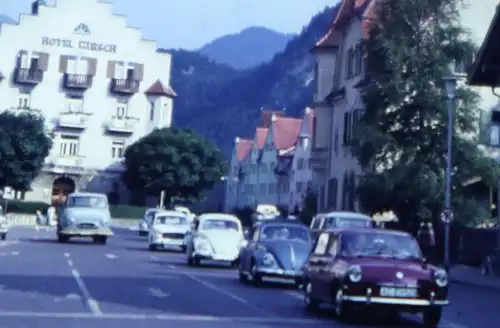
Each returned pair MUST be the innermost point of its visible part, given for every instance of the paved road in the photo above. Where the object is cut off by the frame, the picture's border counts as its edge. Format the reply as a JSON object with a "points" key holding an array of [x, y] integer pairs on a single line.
{"points": [[45, 284]]}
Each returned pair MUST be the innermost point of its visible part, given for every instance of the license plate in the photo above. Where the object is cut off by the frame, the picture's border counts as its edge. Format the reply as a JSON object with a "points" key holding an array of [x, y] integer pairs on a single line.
{"points": [[398, 292]]}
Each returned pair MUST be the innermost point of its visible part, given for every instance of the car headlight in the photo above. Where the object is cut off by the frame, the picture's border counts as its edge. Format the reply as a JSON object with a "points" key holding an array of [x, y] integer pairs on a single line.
{"points": [[269, 260], [355, 273], [441, 278], [157, 234], [202, 245]]}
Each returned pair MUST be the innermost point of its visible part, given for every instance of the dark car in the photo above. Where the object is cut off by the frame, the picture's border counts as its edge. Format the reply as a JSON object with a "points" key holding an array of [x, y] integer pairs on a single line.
{"points": [[276, 249], [357, 269]]}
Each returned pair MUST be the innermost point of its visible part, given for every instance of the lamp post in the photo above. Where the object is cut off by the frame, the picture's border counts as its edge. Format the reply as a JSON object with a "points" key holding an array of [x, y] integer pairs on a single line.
{"points": [[450, 84]]}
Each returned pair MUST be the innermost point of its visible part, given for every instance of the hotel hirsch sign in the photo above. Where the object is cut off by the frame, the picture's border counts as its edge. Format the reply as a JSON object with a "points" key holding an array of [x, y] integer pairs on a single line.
{"points": [[81, 29]]}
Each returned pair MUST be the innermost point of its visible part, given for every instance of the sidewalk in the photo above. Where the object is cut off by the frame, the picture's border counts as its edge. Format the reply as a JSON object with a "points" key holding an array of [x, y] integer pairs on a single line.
{"points": [[472, 276]]}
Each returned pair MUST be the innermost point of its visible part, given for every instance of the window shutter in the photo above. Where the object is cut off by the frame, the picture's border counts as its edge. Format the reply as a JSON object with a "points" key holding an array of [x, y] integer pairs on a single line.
{"points": [[43, 61], [63, 64], [110, 71], [92, 67]]}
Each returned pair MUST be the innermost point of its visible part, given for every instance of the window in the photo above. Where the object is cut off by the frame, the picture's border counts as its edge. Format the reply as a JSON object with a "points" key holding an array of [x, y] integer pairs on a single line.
{"points": [[120, 70], [68, 146], [34, 63], [347, 129], [130, 74], [24, 100], [334, 246], [151, 110], [117, 149], [321, 244], [349, 65], [495, 135], [74, 105], [332, 193], [24, 60], [263, 189], [300, 164], [121, 110], [298, 186]]}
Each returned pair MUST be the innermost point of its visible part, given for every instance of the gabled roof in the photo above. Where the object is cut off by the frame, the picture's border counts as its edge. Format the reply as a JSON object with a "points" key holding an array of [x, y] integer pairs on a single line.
{"points": [[243, 147], [266, 117], [286, 131], [159, 89], [260, 137]]}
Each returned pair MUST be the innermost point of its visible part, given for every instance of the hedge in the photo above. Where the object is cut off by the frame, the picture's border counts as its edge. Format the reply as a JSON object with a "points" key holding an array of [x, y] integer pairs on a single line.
{"points": [[117, 211]]}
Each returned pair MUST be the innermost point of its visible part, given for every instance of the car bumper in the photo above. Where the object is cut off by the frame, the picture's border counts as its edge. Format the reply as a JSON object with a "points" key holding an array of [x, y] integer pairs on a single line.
{"points": [[169, 243], [3, 231], [279, 273], [216, 257], [86, 232], [395, 302]]}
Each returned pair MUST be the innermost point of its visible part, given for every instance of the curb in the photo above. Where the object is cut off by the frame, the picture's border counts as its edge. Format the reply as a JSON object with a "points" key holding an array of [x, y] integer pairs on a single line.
{"points": [[484, 285]]}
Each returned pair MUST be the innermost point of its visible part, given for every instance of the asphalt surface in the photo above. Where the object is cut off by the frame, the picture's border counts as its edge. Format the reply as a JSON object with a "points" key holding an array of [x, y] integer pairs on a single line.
{"points": [[122, 284]]}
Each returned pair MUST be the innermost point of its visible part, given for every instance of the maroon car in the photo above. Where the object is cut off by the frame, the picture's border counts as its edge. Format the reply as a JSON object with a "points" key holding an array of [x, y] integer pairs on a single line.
{"points": [[357, 269]]}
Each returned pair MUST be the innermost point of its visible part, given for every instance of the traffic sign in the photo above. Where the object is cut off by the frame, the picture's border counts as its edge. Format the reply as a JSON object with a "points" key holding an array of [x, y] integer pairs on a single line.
{"points": [[447, 216], [8, 193]]}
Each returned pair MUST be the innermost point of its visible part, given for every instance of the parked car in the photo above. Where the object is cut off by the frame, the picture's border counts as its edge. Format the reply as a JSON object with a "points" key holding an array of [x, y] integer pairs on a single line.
{"points": [[145, 223], [85, 215], [4, 225], [377, 268], [215, 236], [339, 219], [168, 231], [276, 249]]}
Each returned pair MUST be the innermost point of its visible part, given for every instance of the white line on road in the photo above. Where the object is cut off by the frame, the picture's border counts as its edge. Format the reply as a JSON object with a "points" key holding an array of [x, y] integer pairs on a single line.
{"points": [[66, 254], [162, 317], [171, 266], [158, 293], [111, 256], [230, 295], [9, 243], [15, 253], [92, 304]]}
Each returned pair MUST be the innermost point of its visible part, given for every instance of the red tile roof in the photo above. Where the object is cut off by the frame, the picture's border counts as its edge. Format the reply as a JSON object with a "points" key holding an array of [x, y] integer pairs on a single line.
{"points": [[159, 89], [260, 137], [286, 131], [243, 147], [266, 117]]}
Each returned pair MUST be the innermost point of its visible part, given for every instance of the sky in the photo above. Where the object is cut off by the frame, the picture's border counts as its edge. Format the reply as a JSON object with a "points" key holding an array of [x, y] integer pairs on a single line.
{"points": [[201, 21]]}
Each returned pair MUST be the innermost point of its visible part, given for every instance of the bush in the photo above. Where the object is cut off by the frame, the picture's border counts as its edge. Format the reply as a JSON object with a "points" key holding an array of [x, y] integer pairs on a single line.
{"points": [[127, 212], [20, 206]]}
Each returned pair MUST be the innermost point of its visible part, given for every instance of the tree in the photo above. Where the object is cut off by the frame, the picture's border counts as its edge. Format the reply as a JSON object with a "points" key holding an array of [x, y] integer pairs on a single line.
{"points": [[24, 145], [401, 137], [175, 161]]}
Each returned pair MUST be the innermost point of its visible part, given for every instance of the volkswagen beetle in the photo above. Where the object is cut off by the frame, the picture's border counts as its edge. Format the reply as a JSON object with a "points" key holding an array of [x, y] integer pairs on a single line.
{"points": [[356, 269]]}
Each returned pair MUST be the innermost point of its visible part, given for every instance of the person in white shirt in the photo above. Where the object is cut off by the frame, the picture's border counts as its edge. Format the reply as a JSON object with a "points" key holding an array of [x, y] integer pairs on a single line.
{"points": [[51, 213]]}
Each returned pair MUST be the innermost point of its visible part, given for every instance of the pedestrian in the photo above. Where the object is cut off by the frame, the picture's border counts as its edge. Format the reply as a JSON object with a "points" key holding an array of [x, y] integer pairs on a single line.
{"points": [[51, 213], [427, 240]]}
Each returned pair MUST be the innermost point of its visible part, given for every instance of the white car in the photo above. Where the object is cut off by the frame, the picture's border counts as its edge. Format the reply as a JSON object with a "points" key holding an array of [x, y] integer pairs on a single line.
{"points": [[4, 225], [168, 231], [216, 237], [145, 223]]}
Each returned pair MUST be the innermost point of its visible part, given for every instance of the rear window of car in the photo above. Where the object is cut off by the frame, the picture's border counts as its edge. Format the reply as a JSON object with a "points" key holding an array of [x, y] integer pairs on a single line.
{"points": [[347, 222], [316, 223], [219, 224], [171, 220]]}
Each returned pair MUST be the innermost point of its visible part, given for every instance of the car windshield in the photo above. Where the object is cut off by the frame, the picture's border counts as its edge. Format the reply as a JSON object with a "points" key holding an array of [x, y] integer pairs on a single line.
{"points": [[87, 201], [171, 220], [285, 232], [219, 224], [379, 244], [150, 215], [353, 223]]}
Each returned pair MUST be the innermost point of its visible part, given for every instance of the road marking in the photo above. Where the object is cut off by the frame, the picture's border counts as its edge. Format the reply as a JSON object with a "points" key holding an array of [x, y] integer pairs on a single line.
{"points": [[230, 295], [160, 317], [70, 263], [66, 254], [171, 266], [154, 258], [111, 256], [91, 303], [9, 243], [156, 292], [15, 253], [296, 295]]}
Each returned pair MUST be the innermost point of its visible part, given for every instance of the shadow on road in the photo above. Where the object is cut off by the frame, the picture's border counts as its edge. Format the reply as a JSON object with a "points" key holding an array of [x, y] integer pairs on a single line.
{"points": [[54, 241]]}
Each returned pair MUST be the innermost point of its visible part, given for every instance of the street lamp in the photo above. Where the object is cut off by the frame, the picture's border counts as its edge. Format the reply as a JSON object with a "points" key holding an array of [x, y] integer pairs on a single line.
{"points": [[450, 84]]}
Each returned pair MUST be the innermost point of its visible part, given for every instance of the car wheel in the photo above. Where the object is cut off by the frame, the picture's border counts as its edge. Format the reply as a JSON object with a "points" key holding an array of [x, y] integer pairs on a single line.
{"points": [[310, 303], [4, 236], [62, 238], [432, 317], [486, 267], [256, 277], [102, 240], [342, 310], [235, 263], [152, 247]]}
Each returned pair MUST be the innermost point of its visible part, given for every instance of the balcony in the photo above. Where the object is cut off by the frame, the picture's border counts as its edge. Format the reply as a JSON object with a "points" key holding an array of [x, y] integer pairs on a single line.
{"points": [[28, 76], [123, 125], [77, 81], [73, 120], [125, 86], [319, 159], [64, 165]]}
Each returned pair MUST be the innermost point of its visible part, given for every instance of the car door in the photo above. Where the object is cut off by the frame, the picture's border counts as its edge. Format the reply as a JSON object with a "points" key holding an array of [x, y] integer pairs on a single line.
{"points": [[316, 263], [251, 247], [328, 268]]}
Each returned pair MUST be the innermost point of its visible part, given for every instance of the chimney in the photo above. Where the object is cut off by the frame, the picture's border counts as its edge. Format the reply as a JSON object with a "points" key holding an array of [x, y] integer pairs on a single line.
{"points": [[237, 140], [274, 118], [308, 110]]}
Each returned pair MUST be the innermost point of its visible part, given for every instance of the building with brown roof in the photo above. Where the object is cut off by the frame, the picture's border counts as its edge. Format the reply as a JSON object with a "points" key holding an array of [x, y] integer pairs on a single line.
{"points": [[340, 75], [275, 168]]}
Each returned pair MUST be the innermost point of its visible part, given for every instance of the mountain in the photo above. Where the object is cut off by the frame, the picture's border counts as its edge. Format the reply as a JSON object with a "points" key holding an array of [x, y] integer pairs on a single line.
{"points": [[6, 19], [221, 103], [247, 49]]}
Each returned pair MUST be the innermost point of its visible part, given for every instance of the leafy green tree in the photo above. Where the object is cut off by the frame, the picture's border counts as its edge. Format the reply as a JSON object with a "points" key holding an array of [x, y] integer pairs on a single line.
{"points": [[176, 161], [401, 138], [24, 145]]}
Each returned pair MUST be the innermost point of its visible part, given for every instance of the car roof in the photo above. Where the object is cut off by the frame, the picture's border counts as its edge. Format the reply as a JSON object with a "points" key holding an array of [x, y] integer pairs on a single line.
{"points": [[346, 215], [87, 194], [168, 212], [206, 216], [364, 230], [279, 222]]}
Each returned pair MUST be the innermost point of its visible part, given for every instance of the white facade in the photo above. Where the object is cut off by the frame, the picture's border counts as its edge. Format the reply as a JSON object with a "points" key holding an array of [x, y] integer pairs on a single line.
{"points": [[273, 167], [339, 73], [99, 84]]}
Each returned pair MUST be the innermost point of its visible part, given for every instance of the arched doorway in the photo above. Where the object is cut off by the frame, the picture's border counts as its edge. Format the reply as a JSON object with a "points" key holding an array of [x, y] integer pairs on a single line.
{"points": [[61, 188]]}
